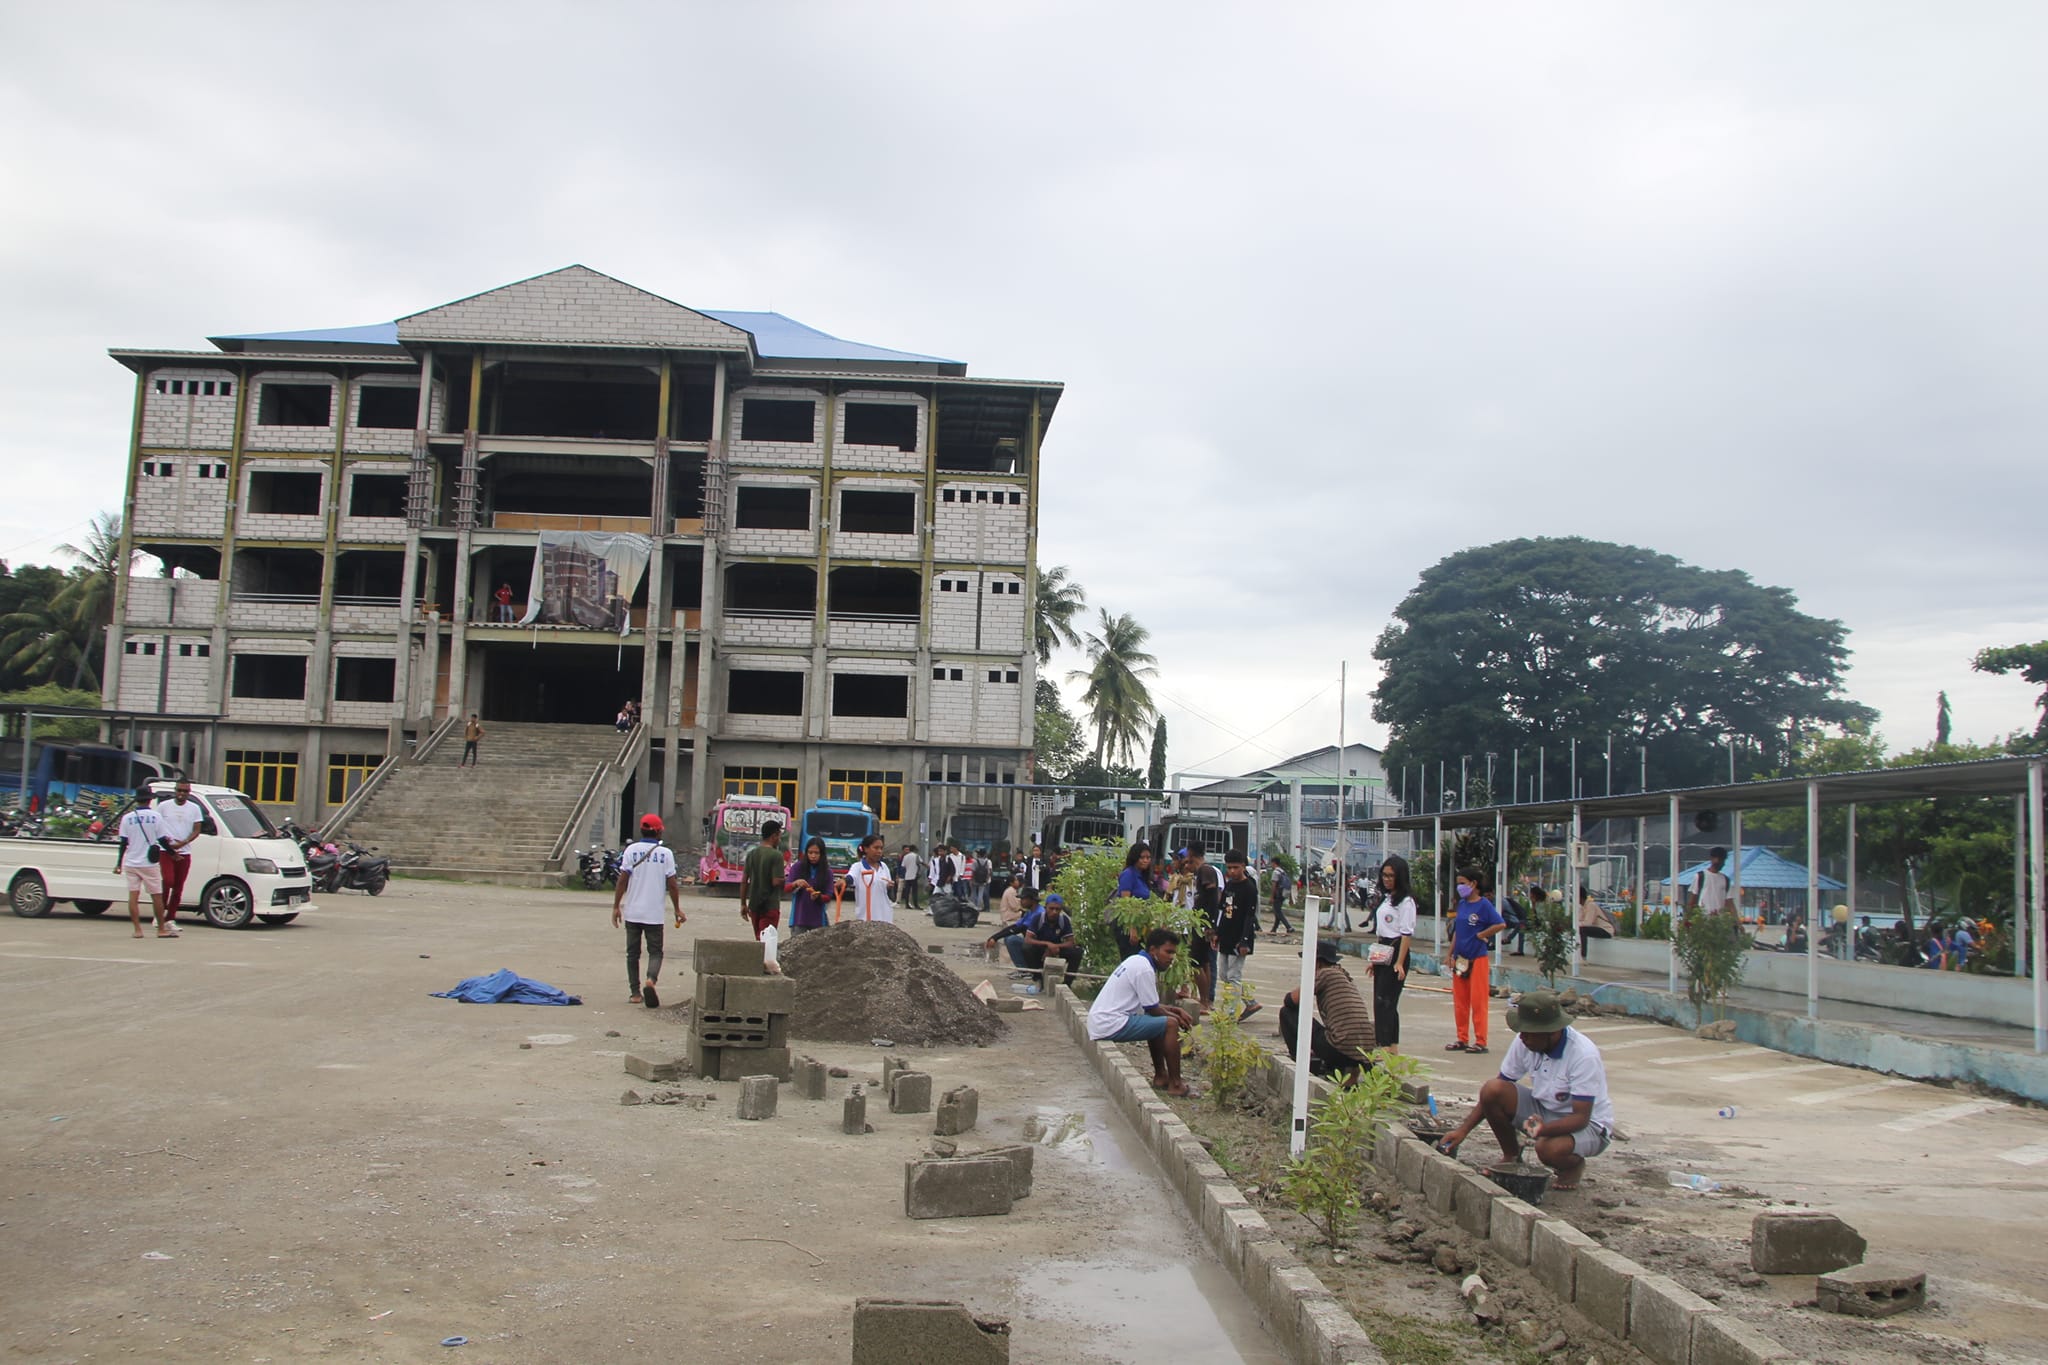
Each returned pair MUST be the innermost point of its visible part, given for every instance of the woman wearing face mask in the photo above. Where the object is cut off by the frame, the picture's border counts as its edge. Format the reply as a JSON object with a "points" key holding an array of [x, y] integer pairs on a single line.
{"points": [[1471, 943], [1394, 918], [812, 887]]}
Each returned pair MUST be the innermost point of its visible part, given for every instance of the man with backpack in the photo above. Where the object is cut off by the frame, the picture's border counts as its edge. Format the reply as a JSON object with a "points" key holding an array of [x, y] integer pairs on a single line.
{"points": [[983, 870], [1283, 885]]}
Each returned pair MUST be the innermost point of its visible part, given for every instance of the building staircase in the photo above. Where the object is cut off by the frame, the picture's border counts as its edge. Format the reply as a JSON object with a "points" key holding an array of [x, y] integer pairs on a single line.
{"points": [[505, 820]]}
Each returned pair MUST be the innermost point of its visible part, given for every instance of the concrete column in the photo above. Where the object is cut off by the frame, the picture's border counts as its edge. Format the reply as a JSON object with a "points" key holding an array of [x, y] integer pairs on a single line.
{"points": [[1735, 871], [1672, 901], [656, 627], [2021, 938], [110, 666], [458, 644], [2039, 865], [1642, 882], [1436, 877], [711, 635], [1813, 900]]}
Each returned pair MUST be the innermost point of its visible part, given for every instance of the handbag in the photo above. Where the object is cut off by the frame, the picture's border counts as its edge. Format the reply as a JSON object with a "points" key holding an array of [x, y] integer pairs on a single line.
{"points": [[1461, 966], [1382, 955]]}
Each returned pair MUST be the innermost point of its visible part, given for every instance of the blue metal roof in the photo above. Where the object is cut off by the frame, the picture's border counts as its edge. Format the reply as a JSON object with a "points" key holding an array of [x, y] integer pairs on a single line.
{"points": [[781, 338], [1762, 870], [775, 337]]}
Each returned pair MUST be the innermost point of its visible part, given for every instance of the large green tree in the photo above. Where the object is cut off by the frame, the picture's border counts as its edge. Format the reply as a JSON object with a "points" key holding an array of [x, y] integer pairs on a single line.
{"points": [[1540, 642], [88, 594], [1155, 771], [1119, 704], [2031, 663], [1059, 744], [1060, 600]]}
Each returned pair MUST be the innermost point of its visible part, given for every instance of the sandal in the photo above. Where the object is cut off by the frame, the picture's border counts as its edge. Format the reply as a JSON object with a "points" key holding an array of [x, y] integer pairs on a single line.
{"points": [[649, 998], [633, 999], [1456, 1047]]}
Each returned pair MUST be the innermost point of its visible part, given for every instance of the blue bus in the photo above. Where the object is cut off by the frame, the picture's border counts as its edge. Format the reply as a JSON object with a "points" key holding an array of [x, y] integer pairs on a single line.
{"points": [[76, 770]]}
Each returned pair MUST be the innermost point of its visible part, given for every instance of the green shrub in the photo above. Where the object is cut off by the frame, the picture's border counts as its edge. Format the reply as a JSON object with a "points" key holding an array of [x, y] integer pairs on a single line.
{"points": [[1712, 951], [1326, 1183], [1087, 879], [1553, 935], [1657, 924], [1229, 1055]]}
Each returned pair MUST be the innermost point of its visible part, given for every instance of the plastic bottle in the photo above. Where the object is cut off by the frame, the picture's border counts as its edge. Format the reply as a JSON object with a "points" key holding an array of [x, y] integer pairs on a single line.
{"points": [[1726, 1111], [1693, 1180]]}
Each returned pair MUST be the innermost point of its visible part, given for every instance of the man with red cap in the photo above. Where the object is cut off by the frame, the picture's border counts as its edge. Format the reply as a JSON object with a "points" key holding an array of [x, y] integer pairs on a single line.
{"points": [[644, 869]]}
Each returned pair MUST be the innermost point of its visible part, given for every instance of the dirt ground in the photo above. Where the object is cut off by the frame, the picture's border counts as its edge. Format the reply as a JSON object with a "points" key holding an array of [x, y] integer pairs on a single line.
{"points": [[273, 1145]]}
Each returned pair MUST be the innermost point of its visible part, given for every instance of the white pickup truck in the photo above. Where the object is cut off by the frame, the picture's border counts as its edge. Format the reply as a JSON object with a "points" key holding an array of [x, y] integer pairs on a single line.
{"points": [[242, 868]]}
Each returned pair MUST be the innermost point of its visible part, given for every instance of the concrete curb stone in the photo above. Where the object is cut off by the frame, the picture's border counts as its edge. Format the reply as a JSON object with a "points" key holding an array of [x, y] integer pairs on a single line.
{"points": [[1513, 1222], [1602, 1286], [1662, 1314], [1554, 1247]]}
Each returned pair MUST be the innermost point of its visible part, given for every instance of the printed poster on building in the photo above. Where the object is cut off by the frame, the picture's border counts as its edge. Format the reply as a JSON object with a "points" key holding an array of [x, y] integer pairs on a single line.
{"points": [[586, 578]]}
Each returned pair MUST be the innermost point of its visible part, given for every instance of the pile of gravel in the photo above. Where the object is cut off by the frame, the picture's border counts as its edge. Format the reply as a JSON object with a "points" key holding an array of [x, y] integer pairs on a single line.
{"points": [[858, 980]]}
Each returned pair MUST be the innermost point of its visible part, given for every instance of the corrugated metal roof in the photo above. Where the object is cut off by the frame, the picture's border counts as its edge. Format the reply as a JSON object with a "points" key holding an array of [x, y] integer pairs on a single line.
{"points": [[781, 338], [775, 337]]}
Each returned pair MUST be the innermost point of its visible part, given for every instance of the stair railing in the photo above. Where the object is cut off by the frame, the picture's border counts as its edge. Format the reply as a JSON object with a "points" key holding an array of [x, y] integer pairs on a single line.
{"points": [[360, 797], [624, 761]]}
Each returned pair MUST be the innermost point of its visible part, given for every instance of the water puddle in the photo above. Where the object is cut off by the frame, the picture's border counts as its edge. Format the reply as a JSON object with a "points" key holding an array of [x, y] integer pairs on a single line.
{"points": [[1086, 1135], [1149, 1312]]}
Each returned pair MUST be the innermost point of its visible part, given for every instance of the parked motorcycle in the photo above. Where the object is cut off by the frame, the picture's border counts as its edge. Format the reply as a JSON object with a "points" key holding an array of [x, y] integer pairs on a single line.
{"points": [[598, 866], [339, 867]]}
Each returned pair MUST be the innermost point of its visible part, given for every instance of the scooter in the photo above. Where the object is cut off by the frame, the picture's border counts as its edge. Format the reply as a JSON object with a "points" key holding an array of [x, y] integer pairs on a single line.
{"points": [[597, 866]]}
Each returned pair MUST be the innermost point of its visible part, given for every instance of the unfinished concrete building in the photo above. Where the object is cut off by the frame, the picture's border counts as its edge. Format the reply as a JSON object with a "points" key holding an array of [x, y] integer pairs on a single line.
{"points": [[833, 596]]}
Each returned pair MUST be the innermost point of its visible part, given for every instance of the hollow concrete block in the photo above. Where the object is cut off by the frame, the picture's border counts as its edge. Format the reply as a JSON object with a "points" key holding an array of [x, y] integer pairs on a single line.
{"points": [[1409, 1154], [959, 1187], [908, 1332], [1802, 1242], [1440, 1177], [1472, 1199], [959, 1108], [757, 1097], [654, 1068], [853, 1116], [737, 1063], [1020, 1156], [810, 1078], [728, 957], [910, 1092], [1871, 1291], [1723, 1339], [763, 995]]}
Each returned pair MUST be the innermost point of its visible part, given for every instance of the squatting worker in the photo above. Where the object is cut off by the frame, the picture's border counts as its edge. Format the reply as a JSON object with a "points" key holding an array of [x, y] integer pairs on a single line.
{"points": [[869, 881], [1471, 947], [761, 880], [1551, 1090], [1340, 1042], [180, 817], [141, 846], [645, 868], [1237, 927], [1127, 1010], [1395, 921], [1040, 933]]}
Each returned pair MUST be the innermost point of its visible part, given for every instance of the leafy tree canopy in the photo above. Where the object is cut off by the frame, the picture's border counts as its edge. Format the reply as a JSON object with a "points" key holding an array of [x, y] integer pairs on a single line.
{"points": [[2031, 663], [1059, 743], [1541, 641]]}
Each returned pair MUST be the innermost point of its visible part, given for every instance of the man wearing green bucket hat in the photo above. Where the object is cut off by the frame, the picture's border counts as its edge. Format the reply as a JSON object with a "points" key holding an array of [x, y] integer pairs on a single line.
{"points": [[1562, 1109]]}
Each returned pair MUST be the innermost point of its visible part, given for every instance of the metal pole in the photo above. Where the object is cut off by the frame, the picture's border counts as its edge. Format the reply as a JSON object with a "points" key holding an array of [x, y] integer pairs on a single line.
{"points": [[1436, 879], [1812, 900], [1610, 765], [2020, 936], [1735, 875], [1571, 871], [1464, 781], [1539, 772], [1297, 1135], [1574, 792], [1850, 935], [1340, 852], [1500, 854], [2035, 852], [1515, 781], [1440, 784], [1671, 899], [28, 738], [1642, 887], [1643, 753]]}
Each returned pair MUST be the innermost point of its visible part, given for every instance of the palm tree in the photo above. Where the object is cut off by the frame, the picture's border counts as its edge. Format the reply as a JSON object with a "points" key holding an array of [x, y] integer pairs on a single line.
{"points": [[87, 599], [41, 643], [1060, 600], [1119, 704]]}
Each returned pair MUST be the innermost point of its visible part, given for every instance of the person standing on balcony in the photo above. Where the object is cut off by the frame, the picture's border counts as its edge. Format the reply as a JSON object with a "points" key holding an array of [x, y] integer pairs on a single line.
{"points": [[503, 597], [472, 735]]}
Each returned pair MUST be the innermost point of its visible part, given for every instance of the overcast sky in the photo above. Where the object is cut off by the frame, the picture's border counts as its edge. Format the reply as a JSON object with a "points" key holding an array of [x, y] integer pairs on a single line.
{"points": [[1335, 290]]}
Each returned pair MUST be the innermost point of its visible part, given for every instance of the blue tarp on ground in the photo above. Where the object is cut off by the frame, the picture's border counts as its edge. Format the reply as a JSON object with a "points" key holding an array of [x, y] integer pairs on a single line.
{"points": [[507, 987], [1762, 870]]}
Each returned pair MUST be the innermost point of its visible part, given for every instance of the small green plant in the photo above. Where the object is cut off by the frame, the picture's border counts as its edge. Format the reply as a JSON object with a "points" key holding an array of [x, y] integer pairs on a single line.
{"points": [[1326, 1183], [1712, 951], [1657, 924], [1230, 1056], [1087, 879], [1552, 923]]}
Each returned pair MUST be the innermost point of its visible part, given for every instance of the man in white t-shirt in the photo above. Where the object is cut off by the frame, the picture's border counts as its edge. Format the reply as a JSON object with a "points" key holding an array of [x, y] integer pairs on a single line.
{"points": [[180, 817], [1710, 887], [141, 836], [646, 870], [869, 882], [1551, 1091], [1127, 1010], [911, 865]]}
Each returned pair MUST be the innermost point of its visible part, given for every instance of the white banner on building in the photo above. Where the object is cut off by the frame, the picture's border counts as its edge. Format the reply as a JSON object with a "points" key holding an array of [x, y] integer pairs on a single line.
{"points": [[586, 578]]}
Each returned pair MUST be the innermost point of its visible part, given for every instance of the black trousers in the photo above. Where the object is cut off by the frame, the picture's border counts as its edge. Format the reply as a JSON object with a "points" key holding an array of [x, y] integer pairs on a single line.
{"points": [[1386, 1005], [1281, 924], [651, 935], [1323, 1054]]}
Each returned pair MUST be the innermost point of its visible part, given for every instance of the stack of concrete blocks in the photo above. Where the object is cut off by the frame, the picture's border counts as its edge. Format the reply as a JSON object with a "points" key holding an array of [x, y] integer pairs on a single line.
{"points": [[739, 1017]]}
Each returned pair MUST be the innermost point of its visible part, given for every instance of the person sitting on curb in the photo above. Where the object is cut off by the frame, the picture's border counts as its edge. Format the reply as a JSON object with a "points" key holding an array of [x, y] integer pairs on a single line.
{"points": [[1563, 1110], [1038, 934], [1341, 1041], [1127, 1010]]}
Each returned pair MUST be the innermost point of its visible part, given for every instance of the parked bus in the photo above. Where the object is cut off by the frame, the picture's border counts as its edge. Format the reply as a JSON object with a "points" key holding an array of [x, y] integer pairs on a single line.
{"points": [[981, 828], [1212, 834], [842, 825], [77, 771], [1079, 828], [733, 827]]}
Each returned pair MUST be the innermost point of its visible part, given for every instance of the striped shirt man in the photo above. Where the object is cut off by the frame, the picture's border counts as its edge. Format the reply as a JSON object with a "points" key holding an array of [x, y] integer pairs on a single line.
{"points": [[1345, 1016]]}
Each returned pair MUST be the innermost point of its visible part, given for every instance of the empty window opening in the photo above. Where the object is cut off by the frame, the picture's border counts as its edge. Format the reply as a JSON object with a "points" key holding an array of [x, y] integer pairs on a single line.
{"points": [[890, 514], [368, 575], [888, 594], [938, 675], [764, 692], [870, 694], [687, 593], [365, 679], [981, 495], [564, 487], [771, 589], [959, 675], [291, 575], [768, 507], [389, 406], [949, 495], [881, 424], [275, 492], [1009, 675], [277, 676], [995, 675], [622, 404], [691, 398], [296, 405], [376, 495], [789, 420], [1016, 499], [346, 772], [986, 432]]}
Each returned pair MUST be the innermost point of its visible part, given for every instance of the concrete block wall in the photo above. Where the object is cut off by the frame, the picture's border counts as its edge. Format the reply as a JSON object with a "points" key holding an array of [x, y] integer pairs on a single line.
{"points": [[981, 523], [185, 495], [393, 440], [268, 710], [275, 526], [1002, 611], [155, 601], [173, 663], [740, 629], [194, 419], [356, 617], [809, 455], [950, 707], [956, 608], [256, 437], [874, 544], [998, 704], [386, 529], [358, 712], [244, 614], [846, 456], [749, 540], [873, 635]]}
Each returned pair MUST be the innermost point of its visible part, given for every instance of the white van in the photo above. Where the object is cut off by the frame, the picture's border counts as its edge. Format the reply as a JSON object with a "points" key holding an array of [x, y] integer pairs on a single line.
{"points": [[242, 868]]}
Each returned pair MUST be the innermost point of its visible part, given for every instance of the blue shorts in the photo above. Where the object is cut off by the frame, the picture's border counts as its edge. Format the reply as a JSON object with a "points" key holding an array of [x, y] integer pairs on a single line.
{"points": [[1140, 1028]]}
